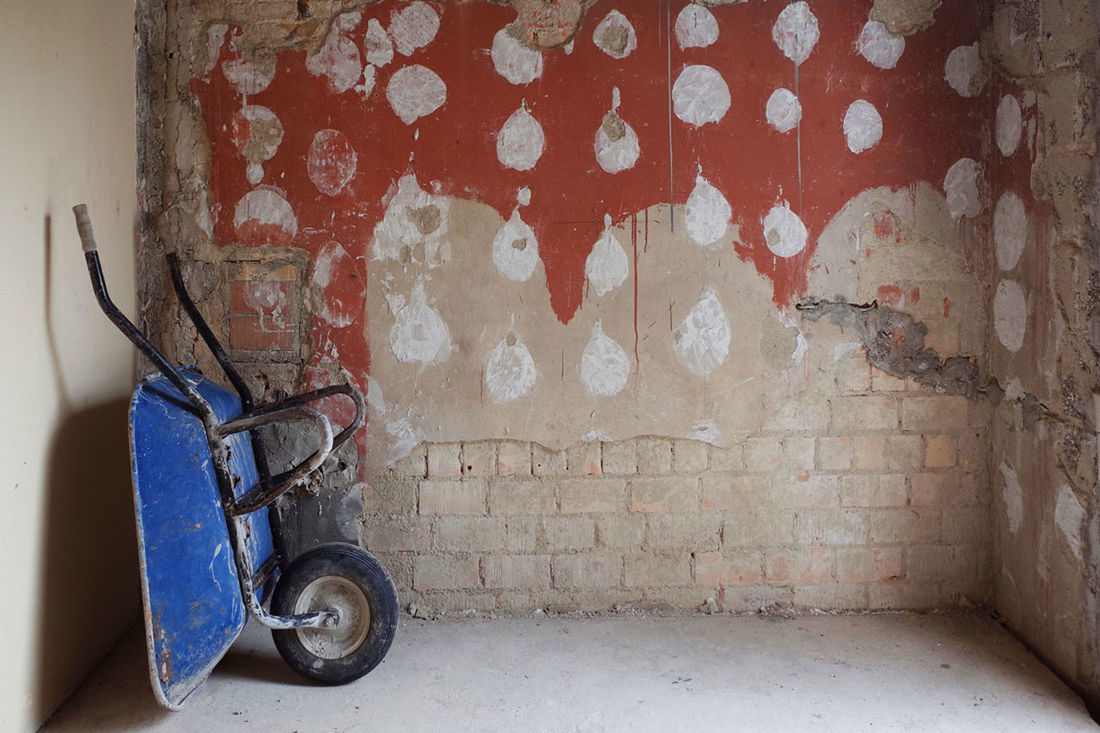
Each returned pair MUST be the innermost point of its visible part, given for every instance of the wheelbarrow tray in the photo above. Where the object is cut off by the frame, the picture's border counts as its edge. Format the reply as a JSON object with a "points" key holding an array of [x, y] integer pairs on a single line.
{"points": [[190, 588]]}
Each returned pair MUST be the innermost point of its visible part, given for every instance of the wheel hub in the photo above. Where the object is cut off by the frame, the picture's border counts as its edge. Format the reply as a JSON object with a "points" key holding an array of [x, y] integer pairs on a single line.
{"points": [[332, 592]]}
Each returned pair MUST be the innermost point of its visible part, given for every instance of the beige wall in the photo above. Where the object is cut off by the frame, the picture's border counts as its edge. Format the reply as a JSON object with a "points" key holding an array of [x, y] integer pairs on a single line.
{"points": [[66, 530]]}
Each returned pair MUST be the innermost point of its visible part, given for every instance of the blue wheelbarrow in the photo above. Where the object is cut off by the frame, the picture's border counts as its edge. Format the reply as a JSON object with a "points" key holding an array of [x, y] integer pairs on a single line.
{"points": [[210, 544]]}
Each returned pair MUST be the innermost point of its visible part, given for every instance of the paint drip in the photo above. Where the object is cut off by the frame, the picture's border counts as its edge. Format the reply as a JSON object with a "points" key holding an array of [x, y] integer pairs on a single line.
{"points": [[514, 61], [615, 36], [700, 95], [419, 334], [510, 372], [1013, 497], [1010, 314], [415, 91], [862, 126], [413, 217], [795, 31], [605, 368], [377, 44], [707, 213], [702, 341], [696, 27], [515, 249], [964, 70], [879, 46], [413, 27], [339, 58], [783, 110], [1009, 230], [607, 266], [963, 187], [1010, 125], [264, 217], [331, 162], [520, 141], [784, 232], [616, 144]]}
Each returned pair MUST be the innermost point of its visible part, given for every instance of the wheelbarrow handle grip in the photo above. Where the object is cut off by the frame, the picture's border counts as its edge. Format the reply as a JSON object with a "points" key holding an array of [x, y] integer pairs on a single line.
{"points": [[84, 227]]}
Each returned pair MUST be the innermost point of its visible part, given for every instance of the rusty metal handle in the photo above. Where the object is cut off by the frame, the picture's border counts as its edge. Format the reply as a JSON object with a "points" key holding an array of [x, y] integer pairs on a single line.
{"points": [[84, 227]]}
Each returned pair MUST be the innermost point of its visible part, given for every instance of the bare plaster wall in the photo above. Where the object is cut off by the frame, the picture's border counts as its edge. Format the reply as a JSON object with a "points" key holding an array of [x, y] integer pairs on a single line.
{"points": [[66, 136]]}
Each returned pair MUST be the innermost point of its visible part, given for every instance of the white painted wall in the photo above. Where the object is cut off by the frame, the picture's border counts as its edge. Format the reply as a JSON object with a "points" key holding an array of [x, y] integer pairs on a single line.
{"points": [[68, 577]]}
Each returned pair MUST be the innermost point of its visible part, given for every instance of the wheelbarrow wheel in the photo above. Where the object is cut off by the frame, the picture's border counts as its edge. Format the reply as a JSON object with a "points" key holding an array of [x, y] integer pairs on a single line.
{"points": [[352, 582]]}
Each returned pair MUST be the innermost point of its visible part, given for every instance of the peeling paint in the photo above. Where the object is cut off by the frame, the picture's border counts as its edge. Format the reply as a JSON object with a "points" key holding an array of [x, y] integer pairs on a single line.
{"points": [[1069, 517], [413, 27], [257, 133], [331, 162], [615, 36], [339, 58], [616, 144], [905, 16], [263, 216], [515, 249], [965, 72], [413, 217], [784, 232]]}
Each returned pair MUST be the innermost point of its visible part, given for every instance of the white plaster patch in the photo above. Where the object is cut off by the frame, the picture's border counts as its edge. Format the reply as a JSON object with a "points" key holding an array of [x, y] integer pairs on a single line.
{"points": [[419, 334], [415, 91], [1009, 230], [862, 126], [413, 216], [1014, 390], [1069, 516], [702, 340], [614, 35], [339, 58], [707, 431], [365, 87], [1010, 314], [1010, 125], [605, 367], [784, 232], [963, 70], [616, 144], [707, 213], [607, 266], [842, 350], [405, 438], [523, 196], [510, 372], [783, 110], [331, 258], [413, 27], [514, 61], [700, 95], [248, 77], [879, 46], [331, 161], [963, 188], [696, 27], [520, 141], [377, 44], [1013, 497], [796, 32], [266, 207], [258, 150], [515, 249], [215, 39]]}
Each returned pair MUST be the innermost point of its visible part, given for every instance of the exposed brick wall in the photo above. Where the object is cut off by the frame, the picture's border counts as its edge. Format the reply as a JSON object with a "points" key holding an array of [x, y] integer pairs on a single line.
{"points": [[878, 499]]}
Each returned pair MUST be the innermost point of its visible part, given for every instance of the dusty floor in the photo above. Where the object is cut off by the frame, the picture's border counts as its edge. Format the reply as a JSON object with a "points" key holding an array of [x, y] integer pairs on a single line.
{"points": [[622, 673]]}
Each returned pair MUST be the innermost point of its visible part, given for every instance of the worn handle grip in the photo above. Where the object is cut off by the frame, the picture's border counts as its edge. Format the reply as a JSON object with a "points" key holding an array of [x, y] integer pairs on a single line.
{"points": [[84, 227]]}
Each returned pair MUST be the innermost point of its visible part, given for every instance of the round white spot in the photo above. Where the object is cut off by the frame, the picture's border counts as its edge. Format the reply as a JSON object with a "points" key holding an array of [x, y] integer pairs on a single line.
{"points": [[607, 266], [248, 77], [700, 95], [879, 46], [1009, 230], [510, 372], [514, 61], [263, 216], [413, 27], [377, 44], [605, 367], [696, 27], [515, 249], [1010, 314], [962, 185], [862, 126], [707, 213], [616, 144], [702, 340], [783, 111], [419, 334], [615, 35], [964, 71], [520, 141], [795, 31], [1010, 125], [415, 91], [331, 162], [784, 232], [339, 58]]}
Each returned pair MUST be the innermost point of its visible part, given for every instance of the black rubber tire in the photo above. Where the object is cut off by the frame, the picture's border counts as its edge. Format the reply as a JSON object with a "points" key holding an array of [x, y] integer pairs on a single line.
{"points": [[351, 563]]}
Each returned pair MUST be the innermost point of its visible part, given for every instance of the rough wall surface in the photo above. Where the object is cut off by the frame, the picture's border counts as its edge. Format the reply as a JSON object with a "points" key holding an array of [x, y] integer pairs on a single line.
{"points": [[568, 240]]}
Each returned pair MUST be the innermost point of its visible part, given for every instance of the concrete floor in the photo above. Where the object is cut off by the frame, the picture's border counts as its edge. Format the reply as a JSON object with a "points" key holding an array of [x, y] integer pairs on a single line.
{"points": [[621, 673]]}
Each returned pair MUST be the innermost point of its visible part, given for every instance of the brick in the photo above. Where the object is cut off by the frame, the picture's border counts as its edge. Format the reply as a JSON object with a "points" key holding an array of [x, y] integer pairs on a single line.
{"points": [[830, 596], [514, 458], [904, 595], [973, 449], [904, 452], [762, 455], [400, 568], [758, 528], [940, 451], [812, 565], [725, 491], [830, 527], [620, 458], [956, 566], [454, 497], [726, 459], [903, 525], [804, 490], [834, 454], [869, 565], [382, 533], [445, 572], [547, 462], [864, 414], [929, 488], [873, 491], [798, 454], [479, 459], [648, 570], [966, 525], [263, 297], [444, 460], [689, 456], [666, 494], [584, 459], [415, 464], [654, 455], [691, 531], [586, 571], [883, 382], [853, 373], [516, 571], [485, 534], [457, 602], [869, 453], [728, 568], [522, 497], [809, 412], [568, 533], [934, 414], [592, 495], [260, 334], [390, 493], [620, 531]]}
